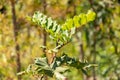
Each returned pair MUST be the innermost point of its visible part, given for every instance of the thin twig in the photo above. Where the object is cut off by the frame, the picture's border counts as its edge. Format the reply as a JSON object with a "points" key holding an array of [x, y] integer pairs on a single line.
{"points": [[60, 46]]}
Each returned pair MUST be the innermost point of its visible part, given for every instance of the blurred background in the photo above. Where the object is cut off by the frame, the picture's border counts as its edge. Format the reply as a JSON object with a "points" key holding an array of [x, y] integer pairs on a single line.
{"points": [[97, 42]]}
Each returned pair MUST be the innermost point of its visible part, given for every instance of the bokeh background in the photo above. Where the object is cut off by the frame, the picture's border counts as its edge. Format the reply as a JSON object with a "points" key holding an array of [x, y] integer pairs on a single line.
{"points": [[97, 42]]}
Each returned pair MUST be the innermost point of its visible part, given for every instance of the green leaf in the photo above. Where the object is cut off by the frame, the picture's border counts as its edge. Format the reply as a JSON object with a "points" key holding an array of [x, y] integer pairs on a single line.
{"points": [[21, 73], [76, 20], [58, 29], [54, 26], [29, 69], [90, 15], [44, 20], [43, 67], [49, 24], [60, 76], [72, 31], [44, 47], [70, 24], [61, 69], [45, 72], [83, 19], [41, 61]]}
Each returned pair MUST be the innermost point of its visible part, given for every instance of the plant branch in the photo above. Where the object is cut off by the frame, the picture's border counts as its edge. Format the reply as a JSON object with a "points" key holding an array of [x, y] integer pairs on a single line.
{"points": [[60, 46], [17, 48]]}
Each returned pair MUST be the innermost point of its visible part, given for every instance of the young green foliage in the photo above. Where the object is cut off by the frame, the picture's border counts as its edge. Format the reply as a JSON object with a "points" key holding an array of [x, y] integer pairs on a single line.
{"points": [[62, 33], [79, 20]]}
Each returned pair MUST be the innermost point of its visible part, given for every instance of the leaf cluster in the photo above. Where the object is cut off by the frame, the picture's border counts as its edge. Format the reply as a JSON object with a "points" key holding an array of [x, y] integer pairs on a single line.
{"points": [[59, 66], [62, 33]]}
